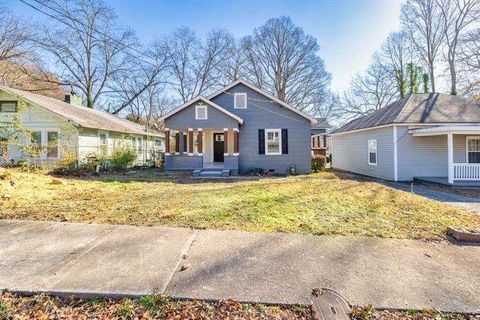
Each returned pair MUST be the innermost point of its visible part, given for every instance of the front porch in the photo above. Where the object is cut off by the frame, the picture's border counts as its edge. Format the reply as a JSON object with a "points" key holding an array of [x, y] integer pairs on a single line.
{"points": [[211, 150], [463, 164]]}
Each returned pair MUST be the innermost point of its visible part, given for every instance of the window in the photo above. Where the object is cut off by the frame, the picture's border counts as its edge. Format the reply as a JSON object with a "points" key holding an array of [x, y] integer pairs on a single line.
{"points": [[240, 100], [139, 144], [37, 138], [158, 143], [8, 106], [201, 112], [103, 143], [372, 152], [52, 144], [273, 138], [473, 150]]}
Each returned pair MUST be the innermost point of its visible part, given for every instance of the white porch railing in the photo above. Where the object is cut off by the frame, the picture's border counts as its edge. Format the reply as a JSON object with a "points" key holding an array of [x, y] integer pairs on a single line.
{"points": [[466, 171]]}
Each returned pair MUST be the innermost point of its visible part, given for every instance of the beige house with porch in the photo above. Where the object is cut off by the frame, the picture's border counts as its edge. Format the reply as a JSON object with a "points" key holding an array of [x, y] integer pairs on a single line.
{"points": [[62, 127]]}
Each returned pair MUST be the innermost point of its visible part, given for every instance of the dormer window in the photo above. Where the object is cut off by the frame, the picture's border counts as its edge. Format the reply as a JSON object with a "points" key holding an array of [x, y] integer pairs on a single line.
{"points": [[8, 106], [240, 100], [201, 112]]}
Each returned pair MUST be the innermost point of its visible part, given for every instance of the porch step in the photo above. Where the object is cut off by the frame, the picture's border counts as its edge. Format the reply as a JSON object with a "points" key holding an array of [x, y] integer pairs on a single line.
{"points": [[211, 172]]}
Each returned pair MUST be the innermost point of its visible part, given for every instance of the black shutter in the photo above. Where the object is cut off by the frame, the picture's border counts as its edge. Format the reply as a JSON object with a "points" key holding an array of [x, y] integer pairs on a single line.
{"points": [[261, 141], [284, 141]]}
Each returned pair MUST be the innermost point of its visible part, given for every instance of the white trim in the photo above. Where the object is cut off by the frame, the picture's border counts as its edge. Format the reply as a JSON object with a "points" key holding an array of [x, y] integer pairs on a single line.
{"points": [[467, 138], [406, 124], [450, 157], [445, 129], [190, 154], [199, 129], [395, 154], [376, 152], [225, 154], [212, 104], [198, 106], [235, 129], [269, 96], [236, 154], [177, 153], [199, 154], [225, 129], [190, 129], [166, 129], [279, 142], [244, 94]]}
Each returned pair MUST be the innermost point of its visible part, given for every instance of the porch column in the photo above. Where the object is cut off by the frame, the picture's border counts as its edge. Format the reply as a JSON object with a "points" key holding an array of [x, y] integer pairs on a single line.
{"points": [[235, 142], [167, 141], [190, 141], [225, 141], [200, 141], [450, 157], [177, 142]]}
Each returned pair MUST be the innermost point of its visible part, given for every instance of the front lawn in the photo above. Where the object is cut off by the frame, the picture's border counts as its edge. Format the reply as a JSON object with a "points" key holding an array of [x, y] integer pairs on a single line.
{"points": [[324, 203]]}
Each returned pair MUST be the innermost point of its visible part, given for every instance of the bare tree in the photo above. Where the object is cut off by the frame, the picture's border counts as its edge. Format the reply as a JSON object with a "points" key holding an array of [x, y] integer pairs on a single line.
{"points": [[457, 15], [87, 44], [422, 20], [283, 60], [469, 58], [233, 66], [194, 65], [16, 37], [368, 92], [395, 55]]}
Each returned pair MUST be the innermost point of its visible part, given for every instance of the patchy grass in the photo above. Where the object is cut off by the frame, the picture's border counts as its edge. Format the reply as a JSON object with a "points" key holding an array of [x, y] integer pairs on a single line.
{"points": [[369, 313], [323, 203], [148, 307]]}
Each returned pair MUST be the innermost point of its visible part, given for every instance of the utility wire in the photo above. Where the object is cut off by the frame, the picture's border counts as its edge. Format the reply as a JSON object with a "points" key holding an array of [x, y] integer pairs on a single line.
{"points": [[81, 23]]}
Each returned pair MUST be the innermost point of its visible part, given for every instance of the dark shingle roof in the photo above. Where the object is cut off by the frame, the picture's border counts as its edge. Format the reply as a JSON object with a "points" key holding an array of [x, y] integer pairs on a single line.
{"points": [[322, 123], [83, 116], [420, 108]]}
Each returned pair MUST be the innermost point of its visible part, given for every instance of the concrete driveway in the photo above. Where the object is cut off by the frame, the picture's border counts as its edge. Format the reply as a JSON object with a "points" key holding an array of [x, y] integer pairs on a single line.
{"points": [[276, 267]]}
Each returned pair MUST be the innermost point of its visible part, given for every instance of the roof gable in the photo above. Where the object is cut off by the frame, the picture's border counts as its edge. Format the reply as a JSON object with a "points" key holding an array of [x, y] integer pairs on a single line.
{"points": [[421, 108], [207, 101], [267, 95]]}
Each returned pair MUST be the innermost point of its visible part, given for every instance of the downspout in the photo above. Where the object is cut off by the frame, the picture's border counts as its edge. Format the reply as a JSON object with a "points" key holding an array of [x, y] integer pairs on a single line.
{"points": [[395, 154]]}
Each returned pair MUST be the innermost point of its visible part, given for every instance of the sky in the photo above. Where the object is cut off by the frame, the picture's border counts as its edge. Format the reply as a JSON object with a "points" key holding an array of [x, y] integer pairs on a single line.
{"points": [[348, 31]]}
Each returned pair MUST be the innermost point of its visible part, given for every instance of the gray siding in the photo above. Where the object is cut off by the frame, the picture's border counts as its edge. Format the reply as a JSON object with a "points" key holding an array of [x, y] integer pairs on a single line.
{"points": [[185, 119], [263, 114], [426, 156], [350, 152]]}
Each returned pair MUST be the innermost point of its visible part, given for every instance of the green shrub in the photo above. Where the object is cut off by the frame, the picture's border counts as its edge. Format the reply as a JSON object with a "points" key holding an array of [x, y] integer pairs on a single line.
{"points": [[318, 163], [254, 171], [123, 158]]}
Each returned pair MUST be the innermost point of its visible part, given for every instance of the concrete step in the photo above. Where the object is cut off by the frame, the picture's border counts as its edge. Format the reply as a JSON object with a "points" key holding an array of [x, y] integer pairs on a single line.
{"points": [[209, 172]]}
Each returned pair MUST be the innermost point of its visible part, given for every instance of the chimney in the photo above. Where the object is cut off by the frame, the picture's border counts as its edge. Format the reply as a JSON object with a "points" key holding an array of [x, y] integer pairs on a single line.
{"points": [[73, 99]]}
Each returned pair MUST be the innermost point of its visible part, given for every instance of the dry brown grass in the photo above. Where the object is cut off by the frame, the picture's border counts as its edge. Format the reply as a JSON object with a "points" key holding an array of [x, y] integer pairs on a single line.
{"points": [[318, 204]]}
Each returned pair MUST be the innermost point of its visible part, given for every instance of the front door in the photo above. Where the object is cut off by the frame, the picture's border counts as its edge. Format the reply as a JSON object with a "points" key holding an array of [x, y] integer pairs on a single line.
{"points": [[218, 147]]}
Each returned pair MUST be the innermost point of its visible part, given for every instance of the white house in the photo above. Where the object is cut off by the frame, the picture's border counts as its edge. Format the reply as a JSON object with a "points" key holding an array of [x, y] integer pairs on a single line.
{"points": [[63, 127], [433, 137]]}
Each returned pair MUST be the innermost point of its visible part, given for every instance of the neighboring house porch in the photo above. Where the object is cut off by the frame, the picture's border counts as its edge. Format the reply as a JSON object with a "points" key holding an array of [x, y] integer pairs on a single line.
{"points": [[462, 149]]}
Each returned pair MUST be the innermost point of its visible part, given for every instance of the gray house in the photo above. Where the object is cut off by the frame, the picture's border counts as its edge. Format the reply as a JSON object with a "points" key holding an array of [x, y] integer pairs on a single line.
{"points": [[433, 137], [235, 129]]}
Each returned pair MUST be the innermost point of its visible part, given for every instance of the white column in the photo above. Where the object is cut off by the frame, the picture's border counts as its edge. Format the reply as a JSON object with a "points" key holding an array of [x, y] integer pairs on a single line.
{"points": [[450, 157]]}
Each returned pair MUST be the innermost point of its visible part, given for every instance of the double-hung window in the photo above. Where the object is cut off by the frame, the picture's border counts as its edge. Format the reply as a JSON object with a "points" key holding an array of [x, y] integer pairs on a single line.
{"points": [[240, 100], [52, 144], [103, 143], [372, 152], [473, 149], [273, 141], [201, 112]]}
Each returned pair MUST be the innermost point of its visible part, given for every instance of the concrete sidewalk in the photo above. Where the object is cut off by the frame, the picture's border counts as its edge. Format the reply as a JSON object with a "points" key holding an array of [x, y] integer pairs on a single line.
{"points": [[277, 268]]}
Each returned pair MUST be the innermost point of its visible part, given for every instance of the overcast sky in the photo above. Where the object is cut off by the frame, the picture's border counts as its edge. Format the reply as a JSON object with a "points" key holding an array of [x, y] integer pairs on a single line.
{"points": [[348, 31]]}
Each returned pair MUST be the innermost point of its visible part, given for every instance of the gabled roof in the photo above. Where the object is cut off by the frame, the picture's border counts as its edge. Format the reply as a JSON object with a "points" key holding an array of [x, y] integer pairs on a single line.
{"points": [[202, 98], [269, 96], [322, 123], [82, 116], [430, 108]]}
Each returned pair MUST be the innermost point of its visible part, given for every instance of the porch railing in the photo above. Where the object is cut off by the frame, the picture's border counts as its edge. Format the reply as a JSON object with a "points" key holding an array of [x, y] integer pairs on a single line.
{"points": [[466, 171]]}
